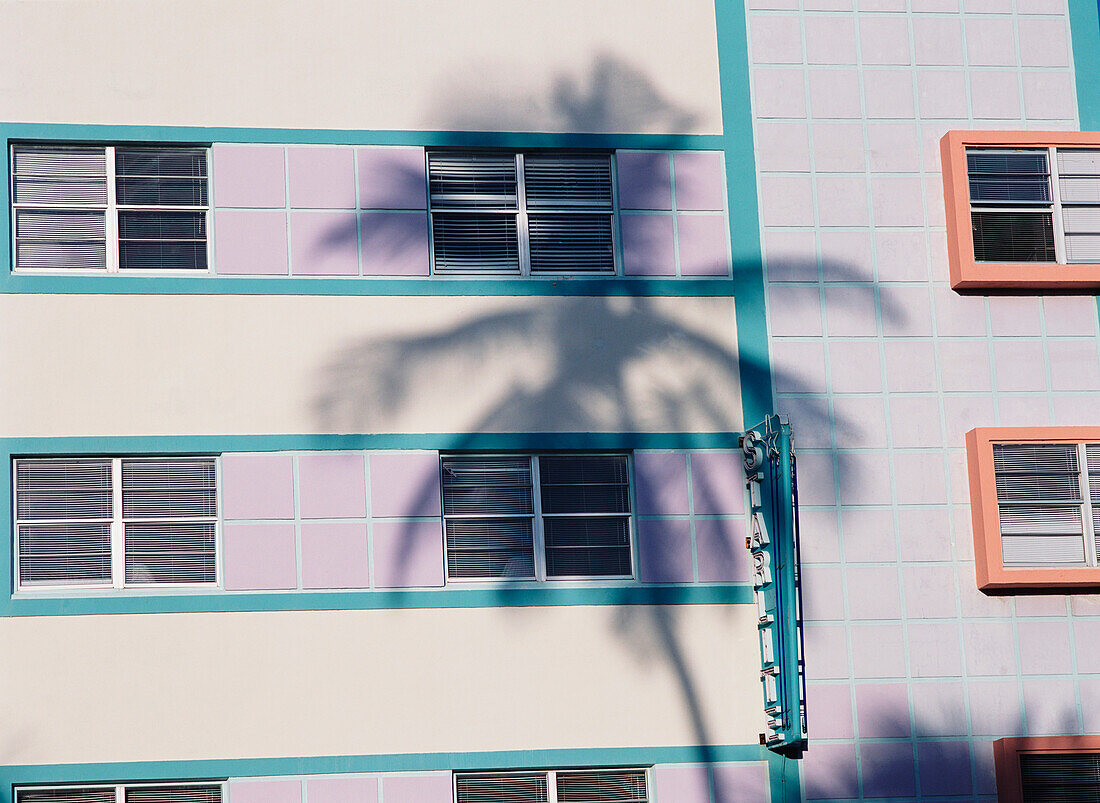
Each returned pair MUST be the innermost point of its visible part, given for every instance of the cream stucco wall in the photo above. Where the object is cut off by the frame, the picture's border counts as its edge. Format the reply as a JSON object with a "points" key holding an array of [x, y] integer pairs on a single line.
{"points": [[569, 65], [87, 365], [225, 685]]}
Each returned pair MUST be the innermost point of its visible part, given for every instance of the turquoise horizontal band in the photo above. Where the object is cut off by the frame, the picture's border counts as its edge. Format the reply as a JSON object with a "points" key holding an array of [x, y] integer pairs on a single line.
{"points": [[499, 597], [360, 286], [397, 762]]}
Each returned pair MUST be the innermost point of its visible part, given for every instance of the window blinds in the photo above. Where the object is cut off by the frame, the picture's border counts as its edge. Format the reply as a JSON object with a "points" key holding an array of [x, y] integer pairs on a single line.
{"points": [[165, 793], [1060, 777], [576, 786]]}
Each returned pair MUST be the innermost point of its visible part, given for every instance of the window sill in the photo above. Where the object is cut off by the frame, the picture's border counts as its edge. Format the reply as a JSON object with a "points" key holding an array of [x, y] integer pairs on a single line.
{"points": [[971, 275]]}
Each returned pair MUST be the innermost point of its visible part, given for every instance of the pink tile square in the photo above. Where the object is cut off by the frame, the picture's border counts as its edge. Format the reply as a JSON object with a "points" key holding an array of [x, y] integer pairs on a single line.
{"points": [[1045, 648], [906, 311], [883, 40], [250, 242], [846, 256], [910, 365], [934, 650], [864, 478], [392, 178], [888, 94], [417, 788], [1050, 706], [964, 365], [407, 554], [838, 147], [321, 178], [1074, 364], [834, 94], [995, 708], [661, 483], [830, 772], [334, 556], [791, 256], [919, 477], [682, 784], [405, 484], [894, 148], [942, 94], [776, 39], [860, 420], [938, 41], [873, 592], [957, 315], [664, 551], [823, 593], [717, 482], [995, 95], [888, 769], [798, 366], [720, 547], [258, 486], [250, 176], [898, 201], [342, 790], [990, 648], [332, 486], [925, 534], [1043, 43], [915, 421], [787, 201], [703, 245], [649, 245], [644, 179], [779, 147], [394, 243], [902, 256], [1015, 316], [830, 704], [1070, 315], [990, 42], [794, 311], [939, 708], [816, 484], [324, 244], [883, 710], [855, 366], [868, 535], [1023, 411], [1048, 95], [740, 783], [259, 556], [930, 591], [781, 93], [826, 651], [1019, 365], [830, 39], [842, 200], [820, 540], [700, 180], [265, 791], [877, 651]]}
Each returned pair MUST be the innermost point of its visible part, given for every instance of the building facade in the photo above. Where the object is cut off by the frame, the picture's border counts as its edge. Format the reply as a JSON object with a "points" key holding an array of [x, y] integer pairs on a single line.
{"points": [[382, 379]]}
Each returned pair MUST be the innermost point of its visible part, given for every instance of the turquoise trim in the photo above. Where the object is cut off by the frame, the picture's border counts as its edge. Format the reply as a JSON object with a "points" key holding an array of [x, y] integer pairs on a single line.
{"points": [[1085, 36], [500, 597], [355, 285], [121, 772], [748, 266]]}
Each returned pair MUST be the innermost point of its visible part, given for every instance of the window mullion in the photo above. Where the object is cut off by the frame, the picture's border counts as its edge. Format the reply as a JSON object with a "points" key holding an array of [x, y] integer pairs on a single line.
{"points": [[111, 217], [118, 530], [522, 219], [539, 530], [120, 794], [1056, 203], [552, 786], [1089, 533]]}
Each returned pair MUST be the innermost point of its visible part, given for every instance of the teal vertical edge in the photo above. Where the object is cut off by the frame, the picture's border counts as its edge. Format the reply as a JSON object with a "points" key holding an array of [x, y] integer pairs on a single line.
{"points": [[754, 368], [1084, 33], [748, 267]]}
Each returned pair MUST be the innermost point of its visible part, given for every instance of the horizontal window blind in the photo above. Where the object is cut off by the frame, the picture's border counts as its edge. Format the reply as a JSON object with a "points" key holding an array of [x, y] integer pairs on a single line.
{"points": [[70, 202], [573, 522], [1060, 777], [573, 786], [155, 517], [550, 213], [1044, 503], [604, 786], [513, 787], [66, 795], [163, 793]]}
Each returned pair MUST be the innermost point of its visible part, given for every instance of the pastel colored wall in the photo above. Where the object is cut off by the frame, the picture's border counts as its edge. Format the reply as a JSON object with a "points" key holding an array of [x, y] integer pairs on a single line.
{"points": [[378, 682], [240, 365], [883, 368], [486, 65]]}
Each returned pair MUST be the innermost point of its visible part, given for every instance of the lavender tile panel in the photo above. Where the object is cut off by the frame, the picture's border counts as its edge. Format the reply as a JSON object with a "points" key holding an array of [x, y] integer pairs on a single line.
{"points": [[259, 556], [868, 536], [249, 176], [250, 243], [1090, 704], [661, 483], [394, 243], [1087, 640], [644, 180], [265, 791], [649, 245], [417, 789], [1050, 706], [334, 555], [878, 651], [934, 650], [703, 245], [940, 709], [405, 484], [882, 710], [664, 551], [408, 554], [829, 772], [990, 648], [700, 181], [341, 790], [830, 704], [827, 652], [682, 784], [740, 783], [257, 486], [1044, 648], [332, 486], [720, 547], [995, 708], [717, 483], [930, 591], [392, 178], [323, 244], [888, 769], [321, 178], [873, 592], [823, 593]]}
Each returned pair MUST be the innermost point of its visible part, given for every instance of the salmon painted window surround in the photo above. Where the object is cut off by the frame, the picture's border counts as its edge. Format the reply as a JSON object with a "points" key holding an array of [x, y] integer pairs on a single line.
{"points": [[1035, 504], [1028, 218], [1030, 768]]}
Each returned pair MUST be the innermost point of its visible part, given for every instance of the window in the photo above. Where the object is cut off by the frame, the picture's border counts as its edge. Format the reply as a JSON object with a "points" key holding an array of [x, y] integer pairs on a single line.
{"points": [[521, 213], [115, 522], [1035, 497], [136, 793], [575, 786], [536, 518], [1047, 769], [1023, 209], [109, 208]]}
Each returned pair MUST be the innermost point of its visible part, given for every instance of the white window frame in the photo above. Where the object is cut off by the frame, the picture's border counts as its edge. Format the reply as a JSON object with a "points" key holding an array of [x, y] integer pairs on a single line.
{"points": [[522, 222], [538, 529], [118, 531], [552, 778], [119, 789], [111, 212]]}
